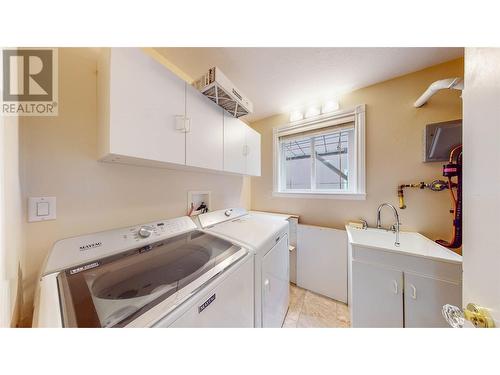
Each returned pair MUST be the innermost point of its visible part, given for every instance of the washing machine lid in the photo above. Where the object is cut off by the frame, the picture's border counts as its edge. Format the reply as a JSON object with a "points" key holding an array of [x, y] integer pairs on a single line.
{"points": [[257, 232], [116, 291]]}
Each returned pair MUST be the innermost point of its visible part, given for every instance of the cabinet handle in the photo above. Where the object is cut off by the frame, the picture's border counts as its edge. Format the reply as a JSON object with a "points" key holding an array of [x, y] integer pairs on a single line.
{"points": [[187, 124], [182, 123], [267, 284], [245, 150], [395, 285], [413, 291]]}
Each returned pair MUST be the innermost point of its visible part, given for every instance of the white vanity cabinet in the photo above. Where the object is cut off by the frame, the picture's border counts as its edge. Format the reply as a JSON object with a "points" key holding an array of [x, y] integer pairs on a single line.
{"points": [[424, 298], [241, 147], [149, 116], [396, 288], [378, 296]]}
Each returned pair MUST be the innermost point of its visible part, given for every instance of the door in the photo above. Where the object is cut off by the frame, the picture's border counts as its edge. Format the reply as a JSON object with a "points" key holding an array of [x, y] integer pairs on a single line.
{"points": [[275, 284], [145, 99], [377, 296], [481, 195], [252, 152], [204, 140], [234, 144], [424, 298]]}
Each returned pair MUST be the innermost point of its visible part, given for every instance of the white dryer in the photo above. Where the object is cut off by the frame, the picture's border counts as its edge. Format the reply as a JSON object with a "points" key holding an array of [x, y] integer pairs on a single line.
{"points": [[165, 273], [267, 237]]}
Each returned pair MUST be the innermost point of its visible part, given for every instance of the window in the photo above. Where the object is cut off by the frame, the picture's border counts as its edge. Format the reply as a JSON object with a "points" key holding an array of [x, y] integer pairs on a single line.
{"points": [[322, 157]]}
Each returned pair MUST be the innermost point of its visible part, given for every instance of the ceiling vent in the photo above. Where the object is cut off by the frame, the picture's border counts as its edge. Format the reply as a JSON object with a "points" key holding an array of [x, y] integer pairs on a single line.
{"points": [[218, 88]]}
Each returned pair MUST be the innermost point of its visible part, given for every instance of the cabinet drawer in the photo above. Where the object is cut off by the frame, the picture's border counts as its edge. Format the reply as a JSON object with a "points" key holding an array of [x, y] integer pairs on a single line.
{"points": [[407, 263]]}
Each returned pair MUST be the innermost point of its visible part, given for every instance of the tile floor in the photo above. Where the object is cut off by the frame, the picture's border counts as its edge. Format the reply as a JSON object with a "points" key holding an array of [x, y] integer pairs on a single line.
{"points": [[311, 310]]}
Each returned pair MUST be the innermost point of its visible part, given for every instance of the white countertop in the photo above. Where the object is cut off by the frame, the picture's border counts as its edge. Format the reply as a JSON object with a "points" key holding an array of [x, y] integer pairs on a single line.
{"points": [[411, 243]]}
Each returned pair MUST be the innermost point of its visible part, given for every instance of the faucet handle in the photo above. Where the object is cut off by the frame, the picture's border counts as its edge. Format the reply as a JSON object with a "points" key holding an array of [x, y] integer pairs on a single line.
{"points": [[364, 222], [393, 226]]}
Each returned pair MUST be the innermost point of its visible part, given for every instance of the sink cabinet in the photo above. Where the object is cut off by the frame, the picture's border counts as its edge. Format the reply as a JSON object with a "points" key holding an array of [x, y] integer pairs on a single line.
{"points": [[395, 290]]}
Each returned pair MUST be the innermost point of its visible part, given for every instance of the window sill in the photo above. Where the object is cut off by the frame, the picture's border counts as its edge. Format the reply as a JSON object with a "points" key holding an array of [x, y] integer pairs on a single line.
{"points": [[318, 195]]}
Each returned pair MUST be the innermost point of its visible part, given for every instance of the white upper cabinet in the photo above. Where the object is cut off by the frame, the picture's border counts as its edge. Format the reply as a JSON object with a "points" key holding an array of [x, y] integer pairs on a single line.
{"points": [[139, 101], [205, 137], [252, 151], [149, 116], [241, 147], [234, 144]]}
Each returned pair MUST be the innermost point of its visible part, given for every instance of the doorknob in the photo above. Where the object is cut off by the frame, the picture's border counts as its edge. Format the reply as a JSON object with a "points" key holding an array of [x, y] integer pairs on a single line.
{"points": [[477, 315]]}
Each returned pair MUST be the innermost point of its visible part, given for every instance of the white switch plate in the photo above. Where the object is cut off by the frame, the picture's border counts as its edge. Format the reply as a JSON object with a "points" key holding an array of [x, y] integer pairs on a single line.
{"points": [[41, 208]]}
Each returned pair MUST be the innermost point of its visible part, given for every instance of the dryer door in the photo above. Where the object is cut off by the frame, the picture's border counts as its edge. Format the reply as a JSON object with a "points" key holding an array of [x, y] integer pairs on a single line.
{"points": [[275, 284]]}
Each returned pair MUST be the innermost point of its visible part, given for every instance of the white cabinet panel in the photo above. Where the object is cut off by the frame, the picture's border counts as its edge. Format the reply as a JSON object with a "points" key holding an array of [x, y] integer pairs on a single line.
{"points": [[252, 152], [204, 140], [232, 304], [275, 285], [424, 298], [234, 144], [322, 261], [377, 296], [144, 100]]}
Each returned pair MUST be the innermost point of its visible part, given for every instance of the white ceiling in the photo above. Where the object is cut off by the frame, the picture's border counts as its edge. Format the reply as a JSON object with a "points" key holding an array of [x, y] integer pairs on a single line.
{"points": [[278, 80]]}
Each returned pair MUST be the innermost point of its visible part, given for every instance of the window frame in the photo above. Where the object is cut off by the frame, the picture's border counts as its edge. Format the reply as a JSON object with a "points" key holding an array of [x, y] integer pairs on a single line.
{"points": [[358, 190]]}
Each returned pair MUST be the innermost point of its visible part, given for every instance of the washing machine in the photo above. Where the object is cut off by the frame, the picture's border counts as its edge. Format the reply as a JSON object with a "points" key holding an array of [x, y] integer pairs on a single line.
{"points": [[161, 274], [267, 238]]}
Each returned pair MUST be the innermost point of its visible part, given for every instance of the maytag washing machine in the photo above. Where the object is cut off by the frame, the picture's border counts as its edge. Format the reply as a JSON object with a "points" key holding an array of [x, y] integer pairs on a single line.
{"points": [[161, 274]]}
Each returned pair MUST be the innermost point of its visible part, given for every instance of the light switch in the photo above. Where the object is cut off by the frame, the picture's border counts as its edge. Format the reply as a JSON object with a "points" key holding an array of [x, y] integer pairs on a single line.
{"points": [[41, 208]]}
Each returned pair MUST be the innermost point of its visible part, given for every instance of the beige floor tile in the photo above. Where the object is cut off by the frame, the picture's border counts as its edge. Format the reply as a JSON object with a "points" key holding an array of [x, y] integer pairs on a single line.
{"points": [[296, 301], [311, 310], [317, 311], [343, 314]]}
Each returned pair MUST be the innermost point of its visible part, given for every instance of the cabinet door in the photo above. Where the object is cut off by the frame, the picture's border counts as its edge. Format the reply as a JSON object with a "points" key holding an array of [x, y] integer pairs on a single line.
{"points": [[377, 296], [275, 284], [204, 140], [234, 144], [424, 299], [252, 152], [144, 99]]}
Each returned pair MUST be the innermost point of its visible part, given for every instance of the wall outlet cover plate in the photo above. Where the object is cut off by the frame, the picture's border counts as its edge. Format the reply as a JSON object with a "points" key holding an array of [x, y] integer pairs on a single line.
{"points": [[41, 209]]}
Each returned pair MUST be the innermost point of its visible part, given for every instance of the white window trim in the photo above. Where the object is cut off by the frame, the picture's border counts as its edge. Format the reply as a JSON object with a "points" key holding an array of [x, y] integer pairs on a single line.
{"points": [[359, 192]]}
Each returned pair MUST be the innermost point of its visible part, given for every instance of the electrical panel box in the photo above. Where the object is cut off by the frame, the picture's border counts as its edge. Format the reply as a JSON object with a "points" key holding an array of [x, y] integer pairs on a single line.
{"points": [[440, 138]]}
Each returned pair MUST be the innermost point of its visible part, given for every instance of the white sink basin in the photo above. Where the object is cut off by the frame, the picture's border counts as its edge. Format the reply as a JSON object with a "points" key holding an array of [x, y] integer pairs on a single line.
{"points": [[411, 243]]}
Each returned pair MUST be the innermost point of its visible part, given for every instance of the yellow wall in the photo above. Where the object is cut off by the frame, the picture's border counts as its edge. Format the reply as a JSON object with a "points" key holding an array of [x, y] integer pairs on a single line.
{"points": [[12, 223], [393, 156], [59, 159]]}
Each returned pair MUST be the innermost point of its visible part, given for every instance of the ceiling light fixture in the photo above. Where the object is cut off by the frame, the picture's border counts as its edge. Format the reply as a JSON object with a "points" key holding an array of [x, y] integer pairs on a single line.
{"points": [[314, 110], [330, 106], [296, 116]]}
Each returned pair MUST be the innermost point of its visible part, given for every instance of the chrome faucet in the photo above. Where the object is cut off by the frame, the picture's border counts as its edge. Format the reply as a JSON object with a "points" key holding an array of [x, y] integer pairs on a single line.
{"points": [[395, 226]]}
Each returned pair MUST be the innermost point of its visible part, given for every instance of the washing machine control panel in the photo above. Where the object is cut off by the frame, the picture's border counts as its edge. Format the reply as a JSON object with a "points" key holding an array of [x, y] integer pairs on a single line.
{"points": [[160, 229], [87, 248]]}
